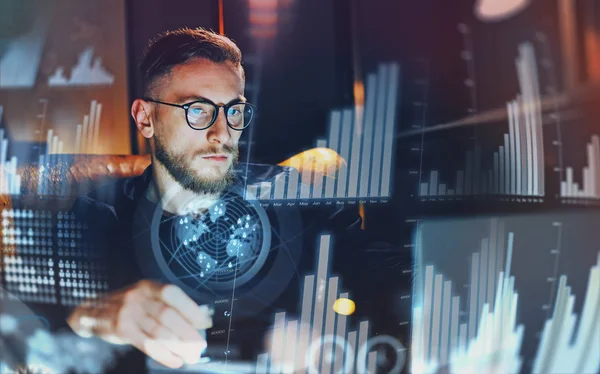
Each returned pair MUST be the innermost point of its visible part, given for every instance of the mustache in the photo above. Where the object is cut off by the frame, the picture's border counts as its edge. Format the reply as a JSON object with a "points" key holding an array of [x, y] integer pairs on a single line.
{"points": [[227, 149]]}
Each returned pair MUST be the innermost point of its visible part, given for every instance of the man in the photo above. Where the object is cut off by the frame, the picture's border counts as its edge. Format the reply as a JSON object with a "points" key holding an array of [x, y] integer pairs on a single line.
{"points": [[193, 112]]}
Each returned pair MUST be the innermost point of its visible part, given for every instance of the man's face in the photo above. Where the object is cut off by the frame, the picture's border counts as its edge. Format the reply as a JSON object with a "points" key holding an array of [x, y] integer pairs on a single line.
{"points": [[200, 160]]}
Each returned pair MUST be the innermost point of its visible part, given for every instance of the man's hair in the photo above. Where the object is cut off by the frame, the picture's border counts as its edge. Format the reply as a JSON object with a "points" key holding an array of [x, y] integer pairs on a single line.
{"points": [[176, 47]]}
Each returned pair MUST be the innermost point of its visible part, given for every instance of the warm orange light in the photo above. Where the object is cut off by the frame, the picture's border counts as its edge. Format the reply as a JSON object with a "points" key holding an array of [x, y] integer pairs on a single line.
{"points": [[592, 48], [344, 306], [569, 43], [263, 19], [497, 10], [263, 33], [361, 213], [262, 4], [359, 104], [359, 93], [221, 19], [320, 161]]}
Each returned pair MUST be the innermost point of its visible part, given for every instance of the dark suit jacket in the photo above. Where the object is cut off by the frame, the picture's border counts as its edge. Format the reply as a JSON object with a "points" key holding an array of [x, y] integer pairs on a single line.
{"points": [[128, 230]]}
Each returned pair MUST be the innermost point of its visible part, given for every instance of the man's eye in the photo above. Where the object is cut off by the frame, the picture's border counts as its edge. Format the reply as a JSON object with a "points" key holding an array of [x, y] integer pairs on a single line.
{"points": [[233, 112], [197, 111]]}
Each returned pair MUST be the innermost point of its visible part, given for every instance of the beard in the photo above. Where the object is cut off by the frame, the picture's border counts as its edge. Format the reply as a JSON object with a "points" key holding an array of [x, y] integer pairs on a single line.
{"points": [[178, 165]]}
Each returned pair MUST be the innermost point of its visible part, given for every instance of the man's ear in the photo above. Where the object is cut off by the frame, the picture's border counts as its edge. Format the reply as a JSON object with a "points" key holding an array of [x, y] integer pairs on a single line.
{"points": [[140, 111]]}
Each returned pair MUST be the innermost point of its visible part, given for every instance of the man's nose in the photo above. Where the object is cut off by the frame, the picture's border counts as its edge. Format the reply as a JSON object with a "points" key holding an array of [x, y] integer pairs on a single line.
{"points": [[219, 131]]}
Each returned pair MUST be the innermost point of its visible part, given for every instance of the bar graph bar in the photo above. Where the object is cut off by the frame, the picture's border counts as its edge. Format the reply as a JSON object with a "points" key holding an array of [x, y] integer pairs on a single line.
{"points": [[86, 135], [472, 322], [589, 188], [10, 180], [439, 340], [321, 333], [566, 347], [85, 142], [261, 363], [367, 154], [517, 167], [279, 187]]}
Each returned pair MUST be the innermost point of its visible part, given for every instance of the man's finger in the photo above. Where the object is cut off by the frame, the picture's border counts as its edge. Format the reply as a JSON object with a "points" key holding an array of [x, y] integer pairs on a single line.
{"points": [[153, 349], [154, 307], [177, 323], [199, 316], [188, 351], [161, 354]]}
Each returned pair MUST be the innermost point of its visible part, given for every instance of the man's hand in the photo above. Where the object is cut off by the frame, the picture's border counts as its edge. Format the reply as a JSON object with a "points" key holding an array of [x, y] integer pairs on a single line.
{"points": [[160, 320]]}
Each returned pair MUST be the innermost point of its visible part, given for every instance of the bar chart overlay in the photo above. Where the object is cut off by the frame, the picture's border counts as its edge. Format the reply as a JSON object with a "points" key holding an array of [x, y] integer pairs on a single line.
{"points": [[589, 188], [364, 140], [440, 340], [82, 139], [517, 167], [320, 341], [10, 180], [86, 135], [563, 347], [508, 307]]}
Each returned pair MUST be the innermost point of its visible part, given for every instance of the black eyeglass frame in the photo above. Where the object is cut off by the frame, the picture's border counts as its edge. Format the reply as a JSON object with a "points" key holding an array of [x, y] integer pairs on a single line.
{"points": [[225, 107]]}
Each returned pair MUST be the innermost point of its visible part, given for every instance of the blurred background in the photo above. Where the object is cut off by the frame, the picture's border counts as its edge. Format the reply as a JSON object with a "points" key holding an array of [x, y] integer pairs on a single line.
{"points": [[468, 131]]}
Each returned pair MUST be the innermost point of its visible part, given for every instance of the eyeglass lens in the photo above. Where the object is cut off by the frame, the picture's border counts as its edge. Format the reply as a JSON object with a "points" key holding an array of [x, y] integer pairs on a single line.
{"points": [[200, 115]]}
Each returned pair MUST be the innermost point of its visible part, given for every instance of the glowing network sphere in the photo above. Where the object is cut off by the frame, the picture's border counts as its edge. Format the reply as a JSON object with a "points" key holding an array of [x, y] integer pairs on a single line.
{"points": [[226, 245]]}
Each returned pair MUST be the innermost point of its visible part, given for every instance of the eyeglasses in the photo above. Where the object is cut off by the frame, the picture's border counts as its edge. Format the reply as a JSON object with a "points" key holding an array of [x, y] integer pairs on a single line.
{"points": [[202, 114]]}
